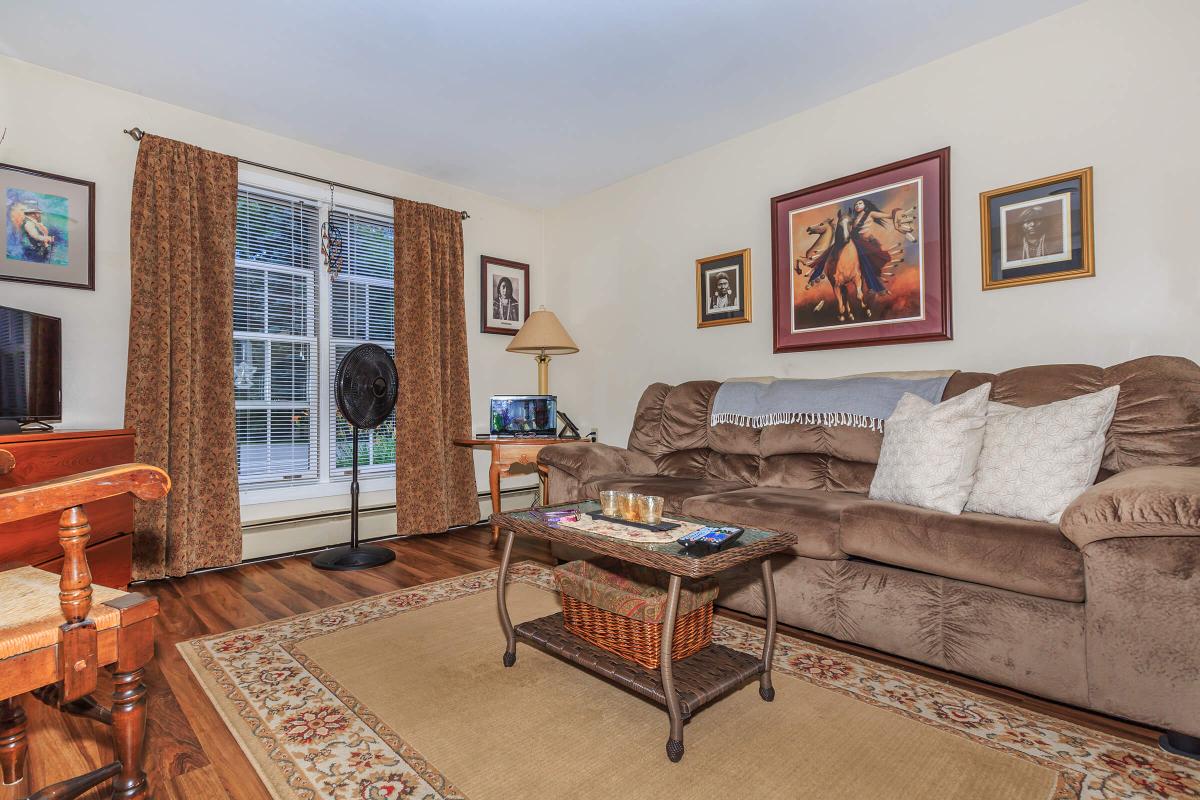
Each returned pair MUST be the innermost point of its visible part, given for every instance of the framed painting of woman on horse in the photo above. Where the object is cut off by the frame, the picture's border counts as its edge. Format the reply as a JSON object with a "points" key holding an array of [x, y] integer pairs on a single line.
{"points": [[864, 259]]}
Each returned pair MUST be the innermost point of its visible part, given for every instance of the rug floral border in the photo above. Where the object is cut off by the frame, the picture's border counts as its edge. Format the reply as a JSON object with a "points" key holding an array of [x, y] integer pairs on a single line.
{"points": [[321, 742]]}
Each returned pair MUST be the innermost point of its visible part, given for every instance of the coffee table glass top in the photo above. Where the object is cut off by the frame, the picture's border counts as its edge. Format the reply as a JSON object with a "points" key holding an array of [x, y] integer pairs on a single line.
{"points": [[749, 536]]}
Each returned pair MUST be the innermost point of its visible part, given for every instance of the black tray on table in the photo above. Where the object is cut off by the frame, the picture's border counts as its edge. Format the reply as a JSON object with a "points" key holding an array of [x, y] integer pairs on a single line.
{"points": [[646, 526]]}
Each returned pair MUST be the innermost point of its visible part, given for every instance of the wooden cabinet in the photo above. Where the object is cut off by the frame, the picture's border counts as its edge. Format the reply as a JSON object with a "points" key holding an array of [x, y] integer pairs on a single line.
{"points": [[43, 456]]}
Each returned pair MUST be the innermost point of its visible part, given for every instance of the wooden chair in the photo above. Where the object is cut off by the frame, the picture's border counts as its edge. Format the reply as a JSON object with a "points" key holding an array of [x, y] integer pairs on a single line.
{"points": [[56, 633]]}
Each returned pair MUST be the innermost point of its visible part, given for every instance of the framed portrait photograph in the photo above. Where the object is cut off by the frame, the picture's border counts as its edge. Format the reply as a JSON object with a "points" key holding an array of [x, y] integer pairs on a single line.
{"points": [[723, 289], [1038, 231], [865, 259], [49, 223], [503, 295]]}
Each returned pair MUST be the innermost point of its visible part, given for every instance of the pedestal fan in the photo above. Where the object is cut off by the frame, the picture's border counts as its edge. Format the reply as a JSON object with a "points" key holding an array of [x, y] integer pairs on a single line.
{"points": [[365, 388]]}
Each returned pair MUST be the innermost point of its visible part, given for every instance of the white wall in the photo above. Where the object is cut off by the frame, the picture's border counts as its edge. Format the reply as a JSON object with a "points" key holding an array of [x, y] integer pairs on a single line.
{"points": [[1109, 83], [68, 126]]}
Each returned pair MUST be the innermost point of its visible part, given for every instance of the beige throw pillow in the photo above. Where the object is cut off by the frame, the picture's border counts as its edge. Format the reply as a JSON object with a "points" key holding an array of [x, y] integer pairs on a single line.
{"points": [[1036, 461], [929, 451]]}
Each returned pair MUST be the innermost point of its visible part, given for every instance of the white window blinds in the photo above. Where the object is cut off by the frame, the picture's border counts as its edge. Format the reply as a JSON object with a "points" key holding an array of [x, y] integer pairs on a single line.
{"points": [[361, 310], [275, 337]]}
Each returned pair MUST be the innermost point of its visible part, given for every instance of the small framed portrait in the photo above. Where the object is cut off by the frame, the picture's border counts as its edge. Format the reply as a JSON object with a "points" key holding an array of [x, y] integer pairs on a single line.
{"points": [[723, 289], [1038, 231], [503, 295], [49, 223]]}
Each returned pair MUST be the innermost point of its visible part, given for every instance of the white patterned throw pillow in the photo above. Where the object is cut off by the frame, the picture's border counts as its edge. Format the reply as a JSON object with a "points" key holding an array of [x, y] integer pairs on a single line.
{"points": [[1036, 461], [929, 451]]}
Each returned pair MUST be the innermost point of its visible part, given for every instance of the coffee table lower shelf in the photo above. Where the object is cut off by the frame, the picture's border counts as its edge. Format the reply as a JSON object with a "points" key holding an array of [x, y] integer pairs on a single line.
{"points": [[699, 679]]}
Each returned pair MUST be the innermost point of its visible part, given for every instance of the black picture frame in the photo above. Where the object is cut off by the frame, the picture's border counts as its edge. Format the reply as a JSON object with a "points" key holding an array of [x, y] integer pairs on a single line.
{"points": [[23, 260]]}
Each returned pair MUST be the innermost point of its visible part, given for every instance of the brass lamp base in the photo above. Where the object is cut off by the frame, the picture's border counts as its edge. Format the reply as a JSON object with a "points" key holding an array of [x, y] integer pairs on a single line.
{"points": [[543, 362]]}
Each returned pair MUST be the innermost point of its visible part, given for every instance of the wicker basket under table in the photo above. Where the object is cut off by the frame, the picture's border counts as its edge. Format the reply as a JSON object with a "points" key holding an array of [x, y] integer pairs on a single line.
{"points": [[633, 639], [620, 608]]}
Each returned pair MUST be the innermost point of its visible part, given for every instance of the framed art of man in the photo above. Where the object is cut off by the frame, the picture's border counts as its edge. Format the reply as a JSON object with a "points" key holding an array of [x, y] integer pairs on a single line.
{"points": [[1038, 231], [49, 228], [723, 289]]}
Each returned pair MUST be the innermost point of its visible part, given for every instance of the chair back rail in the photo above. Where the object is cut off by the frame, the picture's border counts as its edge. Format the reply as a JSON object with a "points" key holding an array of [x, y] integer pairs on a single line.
{"points": [[141, 480]]}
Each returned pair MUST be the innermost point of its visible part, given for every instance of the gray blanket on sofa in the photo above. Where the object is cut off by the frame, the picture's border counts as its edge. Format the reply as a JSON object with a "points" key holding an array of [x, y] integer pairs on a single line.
{"points": [[864, 401]]}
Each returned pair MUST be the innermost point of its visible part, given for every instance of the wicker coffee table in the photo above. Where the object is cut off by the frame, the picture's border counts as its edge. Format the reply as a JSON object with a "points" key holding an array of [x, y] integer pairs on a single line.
{"points": [[685, 686]]}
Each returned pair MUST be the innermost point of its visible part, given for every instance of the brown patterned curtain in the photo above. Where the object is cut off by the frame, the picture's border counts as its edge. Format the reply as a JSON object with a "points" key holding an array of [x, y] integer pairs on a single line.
{"points": [[435, 480], [179, 389]]}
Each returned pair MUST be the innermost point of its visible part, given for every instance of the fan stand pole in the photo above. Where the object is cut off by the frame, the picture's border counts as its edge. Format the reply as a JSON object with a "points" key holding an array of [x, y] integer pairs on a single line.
{"points": [[352, 556], [354, 493]]}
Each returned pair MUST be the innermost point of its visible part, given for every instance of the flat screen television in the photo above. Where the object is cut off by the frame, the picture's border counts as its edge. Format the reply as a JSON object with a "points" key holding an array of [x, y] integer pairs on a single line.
{"points": [[30, 366]]}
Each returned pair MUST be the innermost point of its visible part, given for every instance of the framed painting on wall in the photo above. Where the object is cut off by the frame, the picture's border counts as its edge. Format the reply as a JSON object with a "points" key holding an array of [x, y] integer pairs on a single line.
{"points": [[1038, 231], [865, 259], [503, 295], [49, 228], [723, 289]]}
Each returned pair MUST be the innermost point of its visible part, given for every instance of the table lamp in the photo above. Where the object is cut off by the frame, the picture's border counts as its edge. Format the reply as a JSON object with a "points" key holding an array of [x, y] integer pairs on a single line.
{"points": [[543, 336]]}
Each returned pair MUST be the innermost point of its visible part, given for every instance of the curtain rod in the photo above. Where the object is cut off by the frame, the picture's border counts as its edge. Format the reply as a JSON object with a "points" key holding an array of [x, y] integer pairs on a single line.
{"points": [[137, 133]]}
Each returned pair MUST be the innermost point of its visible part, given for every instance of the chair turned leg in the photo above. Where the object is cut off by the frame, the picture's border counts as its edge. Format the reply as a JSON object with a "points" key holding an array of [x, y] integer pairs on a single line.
{"points": [[12, 745], [129, 732]]}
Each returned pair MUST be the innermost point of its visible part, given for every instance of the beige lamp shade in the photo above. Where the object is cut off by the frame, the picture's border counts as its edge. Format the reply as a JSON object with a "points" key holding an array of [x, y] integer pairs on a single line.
{"points": [[543, 334]]}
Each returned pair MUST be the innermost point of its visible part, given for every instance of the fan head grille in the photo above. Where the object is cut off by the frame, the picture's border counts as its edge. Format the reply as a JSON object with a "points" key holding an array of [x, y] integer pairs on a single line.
{"points": [[366, 386]]}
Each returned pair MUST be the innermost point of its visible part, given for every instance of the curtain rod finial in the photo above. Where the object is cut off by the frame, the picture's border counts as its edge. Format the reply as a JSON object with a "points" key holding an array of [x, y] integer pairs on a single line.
{"points": [[135, 133], [465, 215]]}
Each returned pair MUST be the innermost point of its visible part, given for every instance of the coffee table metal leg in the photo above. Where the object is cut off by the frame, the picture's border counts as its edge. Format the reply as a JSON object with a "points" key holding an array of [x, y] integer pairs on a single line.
{"points": [[765, 689], [510, 636], [675, 742]]}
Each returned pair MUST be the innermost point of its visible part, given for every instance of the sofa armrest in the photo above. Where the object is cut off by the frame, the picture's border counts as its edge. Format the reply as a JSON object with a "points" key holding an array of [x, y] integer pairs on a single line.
{"points": [[585, 461], [1145, 501]]}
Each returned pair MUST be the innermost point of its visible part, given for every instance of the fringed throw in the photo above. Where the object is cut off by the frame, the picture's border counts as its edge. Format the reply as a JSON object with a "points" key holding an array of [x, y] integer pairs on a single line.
{"points": [[856, 402]]}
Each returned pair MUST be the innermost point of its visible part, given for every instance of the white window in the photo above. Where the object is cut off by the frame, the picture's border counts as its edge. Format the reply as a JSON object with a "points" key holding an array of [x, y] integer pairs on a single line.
{"points": [[361, 311], [275, 338], [290, 318]]}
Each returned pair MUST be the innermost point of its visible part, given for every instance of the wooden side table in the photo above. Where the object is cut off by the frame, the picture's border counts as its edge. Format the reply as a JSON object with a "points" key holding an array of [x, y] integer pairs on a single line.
{"points": [[508, 452]]}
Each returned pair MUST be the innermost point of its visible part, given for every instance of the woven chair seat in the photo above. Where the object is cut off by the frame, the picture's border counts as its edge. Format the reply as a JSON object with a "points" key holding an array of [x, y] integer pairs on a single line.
{"points": [[30, 614]]}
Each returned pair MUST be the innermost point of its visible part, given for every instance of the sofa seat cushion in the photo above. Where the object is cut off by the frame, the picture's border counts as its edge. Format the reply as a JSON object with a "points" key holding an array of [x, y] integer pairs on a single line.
{"points": [[1020, 555], [673, 490], [812, 514]]}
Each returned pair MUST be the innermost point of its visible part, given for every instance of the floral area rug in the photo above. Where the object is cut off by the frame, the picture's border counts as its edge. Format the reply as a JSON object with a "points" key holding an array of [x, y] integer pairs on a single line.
{"points": [[310, 733]]}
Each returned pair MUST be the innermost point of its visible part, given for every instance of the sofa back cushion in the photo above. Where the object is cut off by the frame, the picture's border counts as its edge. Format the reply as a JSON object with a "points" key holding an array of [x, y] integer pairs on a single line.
{"points": [[1157, 422]]}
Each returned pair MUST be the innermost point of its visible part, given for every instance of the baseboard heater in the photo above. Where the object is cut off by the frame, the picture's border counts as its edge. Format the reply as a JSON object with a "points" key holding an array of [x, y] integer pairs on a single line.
{"points": [[317, 516]]}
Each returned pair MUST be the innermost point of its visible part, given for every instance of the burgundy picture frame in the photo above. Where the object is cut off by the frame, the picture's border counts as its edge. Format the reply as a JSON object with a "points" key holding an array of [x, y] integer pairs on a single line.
{"points": [[934, 223], [485, 301]]}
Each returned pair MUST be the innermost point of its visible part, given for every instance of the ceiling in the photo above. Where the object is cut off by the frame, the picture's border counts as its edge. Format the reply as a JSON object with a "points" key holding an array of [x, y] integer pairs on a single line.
{"points": [[535, 101]]}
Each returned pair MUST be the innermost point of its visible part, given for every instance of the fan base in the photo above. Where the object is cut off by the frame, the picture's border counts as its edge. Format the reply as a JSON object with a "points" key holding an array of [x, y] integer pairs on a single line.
{"points": [[347, 557]]}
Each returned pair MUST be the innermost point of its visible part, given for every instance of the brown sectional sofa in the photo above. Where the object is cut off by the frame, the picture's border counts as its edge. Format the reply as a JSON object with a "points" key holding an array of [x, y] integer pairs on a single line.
{"points": [[1100, 611]]}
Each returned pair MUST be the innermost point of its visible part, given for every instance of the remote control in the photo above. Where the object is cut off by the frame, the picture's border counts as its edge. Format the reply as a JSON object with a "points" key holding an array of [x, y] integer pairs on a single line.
{"points": [[711, 536]]}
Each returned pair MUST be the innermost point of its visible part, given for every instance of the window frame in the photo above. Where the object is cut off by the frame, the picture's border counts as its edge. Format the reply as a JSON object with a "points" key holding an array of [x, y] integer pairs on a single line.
{"points": [[330, 481]]}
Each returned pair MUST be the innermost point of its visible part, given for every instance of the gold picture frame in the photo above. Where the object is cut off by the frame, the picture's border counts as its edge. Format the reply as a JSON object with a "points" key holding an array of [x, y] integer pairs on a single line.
{"points": [[1038, 231], [723, 290]]}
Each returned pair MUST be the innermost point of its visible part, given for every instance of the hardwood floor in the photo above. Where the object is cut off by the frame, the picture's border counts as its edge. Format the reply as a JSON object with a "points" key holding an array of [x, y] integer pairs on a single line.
{"points": [[190, 753]]}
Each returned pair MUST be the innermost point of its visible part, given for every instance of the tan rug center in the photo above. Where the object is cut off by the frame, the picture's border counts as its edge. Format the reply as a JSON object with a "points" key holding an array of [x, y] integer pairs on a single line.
{"points": [[545, 729]]}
